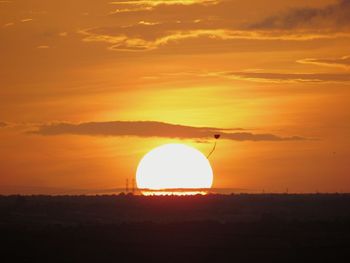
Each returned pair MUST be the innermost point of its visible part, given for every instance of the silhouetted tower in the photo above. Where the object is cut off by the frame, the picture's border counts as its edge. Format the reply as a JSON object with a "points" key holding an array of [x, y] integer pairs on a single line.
{"points": [[127, 185], [133, 185]]}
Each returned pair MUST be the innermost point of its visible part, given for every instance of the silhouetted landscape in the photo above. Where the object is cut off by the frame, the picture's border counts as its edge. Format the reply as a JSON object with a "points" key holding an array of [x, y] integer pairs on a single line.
{"points": [[212, 228]]}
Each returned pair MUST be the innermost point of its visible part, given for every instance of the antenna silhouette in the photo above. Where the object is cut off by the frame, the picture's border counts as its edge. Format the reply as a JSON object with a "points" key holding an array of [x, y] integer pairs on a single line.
{"points": [[216, 136], [127, 186], [133, 185]]}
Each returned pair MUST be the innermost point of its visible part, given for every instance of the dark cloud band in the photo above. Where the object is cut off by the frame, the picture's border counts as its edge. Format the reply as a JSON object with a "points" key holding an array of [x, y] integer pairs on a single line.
{"points": [[334, 16], [154, 129]]}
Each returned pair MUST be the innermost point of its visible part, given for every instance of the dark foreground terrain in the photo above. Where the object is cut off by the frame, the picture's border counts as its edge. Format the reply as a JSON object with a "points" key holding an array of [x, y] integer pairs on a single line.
{"points": [[213, 228]]}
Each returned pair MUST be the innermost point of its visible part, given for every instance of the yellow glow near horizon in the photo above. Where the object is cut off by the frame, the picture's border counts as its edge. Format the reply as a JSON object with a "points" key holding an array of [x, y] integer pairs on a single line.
{"points": [[177, 193], [174, 166]]}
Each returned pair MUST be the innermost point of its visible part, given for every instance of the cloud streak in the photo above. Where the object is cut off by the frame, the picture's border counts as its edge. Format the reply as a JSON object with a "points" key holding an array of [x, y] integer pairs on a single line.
{"points": [[269, 77], [163, 2], [150, 5], [151, 37], [287, 77], [343, 62], [154, 129]]}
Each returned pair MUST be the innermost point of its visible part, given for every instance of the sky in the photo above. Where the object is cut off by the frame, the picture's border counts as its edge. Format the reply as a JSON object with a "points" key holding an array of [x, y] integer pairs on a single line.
{"points": [[88, 87]]}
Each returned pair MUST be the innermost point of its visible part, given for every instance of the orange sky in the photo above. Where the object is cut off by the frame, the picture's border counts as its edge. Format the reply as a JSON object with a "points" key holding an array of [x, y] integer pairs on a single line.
{"points": [[78, 77]]}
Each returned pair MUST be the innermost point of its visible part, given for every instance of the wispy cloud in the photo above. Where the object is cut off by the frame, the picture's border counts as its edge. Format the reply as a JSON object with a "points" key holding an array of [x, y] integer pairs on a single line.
{"points": [[149, 5], [63, 34], [286, 77], [152, 36], [163, 2], [3, 124], [8, 24], [154, 129], [268, 77], [26, 20], [43, 47], [342, 62]]}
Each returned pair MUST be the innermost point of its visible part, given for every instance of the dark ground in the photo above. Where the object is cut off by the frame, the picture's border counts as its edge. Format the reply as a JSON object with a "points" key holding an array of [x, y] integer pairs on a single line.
{"points": [[213, 228]]}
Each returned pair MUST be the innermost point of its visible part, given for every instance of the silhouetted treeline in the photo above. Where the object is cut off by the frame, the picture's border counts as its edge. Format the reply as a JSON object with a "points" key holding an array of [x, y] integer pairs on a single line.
{"points": [[212, 228]]}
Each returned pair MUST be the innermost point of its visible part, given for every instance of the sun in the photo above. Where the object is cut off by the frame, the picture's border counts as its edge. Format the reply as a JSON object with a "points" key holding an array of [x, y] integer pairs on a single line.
{"points": [[174, 166]]}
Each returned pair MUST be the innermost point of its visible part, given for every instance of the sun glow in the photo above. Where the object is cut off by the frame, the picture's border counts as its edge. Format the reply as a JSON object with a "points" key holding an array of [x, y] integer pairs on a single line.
{"points": [[174, 166], [172, 192]]}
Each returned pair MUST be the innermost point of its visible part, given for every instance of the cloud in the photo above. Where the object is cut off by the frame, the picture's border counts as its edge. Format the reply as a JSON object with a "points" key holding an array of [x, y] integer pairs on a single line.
{"points": [[147, 5], [285, 77], [164, 2], [150, 4], [3, 124], [342, 62], [150, 36], [153, 129], [63, 34], [268, 77], [8, 24], [335, 16], [26, 20], [149, 25]]}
